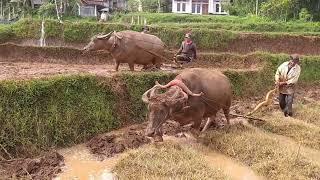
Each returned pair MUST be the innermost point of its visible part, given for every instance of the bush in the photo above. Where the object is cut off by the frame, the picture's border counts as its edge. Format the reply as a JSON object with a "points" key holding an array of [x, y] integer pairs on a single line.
{"points": [[304, 15], [133, 5], [5, 33], [47, 10]]}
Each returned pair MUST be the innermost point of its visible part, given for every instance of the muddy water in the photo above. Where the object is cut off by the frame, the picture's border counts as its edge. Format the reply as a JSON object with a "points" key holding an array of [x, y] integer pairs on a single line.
{"points": [[233, 169], [82, 165]]}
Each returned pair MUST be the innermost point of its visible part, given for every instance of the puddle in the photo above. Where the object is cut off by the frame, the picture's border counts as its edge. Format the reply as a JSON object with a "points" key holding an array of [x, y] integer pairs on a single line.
{"points": [[81, 164], [232, 169]]}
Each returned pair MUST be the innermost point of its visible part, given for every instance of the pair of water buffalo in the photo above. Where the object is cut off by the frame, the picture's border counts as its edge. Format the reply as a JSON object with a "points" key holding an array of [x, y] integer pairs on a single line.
{"points": [[194, 95]]}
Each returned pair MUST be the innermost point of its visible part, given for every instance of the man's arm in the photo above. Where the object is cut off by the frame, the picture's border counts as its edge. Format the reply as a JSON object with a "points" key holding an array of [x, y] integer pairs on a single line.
{"points": [[180, 50], [278, 74]]}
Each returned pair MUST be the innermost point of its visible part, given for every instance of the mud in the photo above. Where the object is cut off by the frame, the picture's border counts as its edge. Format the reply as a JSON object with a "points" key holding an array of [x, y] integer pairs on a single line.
{"points": [[251, 42], [17, 53], [108, 145], [45, 167], [71, 55], [132, 137], [32, 70]]}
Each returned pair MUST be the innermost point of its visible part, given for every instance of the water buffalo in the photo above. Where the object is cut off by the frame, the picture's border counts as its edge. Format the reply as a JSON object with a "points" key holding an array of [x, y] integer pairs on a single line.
{"points": [[130, 47], [193, 95]]}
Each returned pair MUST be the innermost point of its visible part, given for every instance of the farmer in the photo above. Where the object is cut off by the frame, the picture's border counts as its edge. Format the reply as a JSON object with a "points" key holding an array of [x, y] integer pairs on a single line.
{"points": [[286, 77], [187, 52], [145, 29]]}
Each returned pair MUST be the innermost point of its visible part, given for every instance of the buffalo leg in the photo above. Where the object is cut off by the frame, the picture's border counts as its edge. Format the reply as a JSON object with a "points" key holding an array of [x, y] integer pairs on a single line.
{"points": [[157, 63], [197, 119], [226, 114], [131, 66], [117, 65], [145, 67], [209, 122]]}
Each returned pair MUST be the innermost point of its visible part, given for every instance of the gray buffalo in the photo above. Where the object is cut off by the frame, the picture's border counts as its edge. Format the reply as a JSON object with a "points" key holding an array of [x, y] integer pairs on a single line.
{"points": [[130, 47], [194, 95]]}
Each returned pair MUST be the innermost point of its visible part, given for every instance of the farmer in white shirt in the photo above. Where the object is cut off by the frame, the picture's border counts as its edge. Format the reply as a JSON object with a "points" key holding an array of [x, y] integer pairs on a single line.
{"points": [[286, 77]]}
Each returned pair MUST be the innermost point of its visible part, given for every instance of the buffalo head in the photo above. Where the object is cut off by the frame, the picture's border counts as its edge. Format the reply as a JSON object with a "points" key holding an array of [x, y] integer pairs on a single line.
{"points": [[161, 106], [103, 42]]}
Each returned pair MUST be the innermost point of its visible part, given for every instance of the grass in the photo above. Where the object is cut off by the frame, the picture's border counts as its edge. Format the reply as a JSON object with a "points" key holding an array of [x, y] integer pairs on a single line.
{"points": [[60, 111], [208, 36], [309, 113], [267, 156], [234, 23], [166, 161], [300, 131]]}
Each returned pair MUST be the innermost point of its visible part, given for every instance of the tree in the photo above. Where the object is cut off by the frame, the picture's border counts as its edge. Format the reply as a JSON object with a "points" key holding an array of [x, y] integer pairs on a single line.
{"points": [[304, 15], [242, 7], [149, 5], [133, 5], [278, 9]]}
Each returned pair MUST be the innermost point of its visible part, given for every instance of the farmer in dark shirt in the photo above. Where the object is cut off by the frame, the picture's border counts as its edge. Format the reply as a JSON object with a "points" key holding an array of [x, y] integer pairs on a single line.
{"points": [[187, 52]]}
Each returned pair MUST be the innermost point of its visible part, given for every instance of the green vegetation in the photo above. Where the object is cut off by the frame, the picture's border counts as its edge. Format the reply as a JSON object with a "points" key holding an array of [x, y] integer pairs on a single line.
{"points": [[5, 33], [206, 38], [60, 111], [166, 161]]}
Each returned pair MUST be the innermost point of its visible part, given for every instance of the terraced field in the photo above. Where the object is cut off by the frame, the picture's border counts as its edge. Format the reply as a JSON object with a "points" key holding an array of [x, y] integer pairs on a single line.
{"points": [[66, 114]]}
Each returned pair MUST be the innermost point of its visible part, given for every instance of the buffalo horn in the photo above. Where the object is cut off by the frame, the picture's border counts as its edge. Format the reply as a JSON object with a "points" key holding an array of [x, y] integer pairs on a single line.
{"points": [[117, 35], [106, 36]]}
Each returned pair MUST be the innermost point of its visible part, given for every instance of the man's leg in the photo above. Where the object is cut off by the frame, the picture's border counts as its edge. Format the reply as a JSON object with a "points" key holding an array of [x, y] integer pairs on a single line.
{"points": [[282, 102], [289, 102]]}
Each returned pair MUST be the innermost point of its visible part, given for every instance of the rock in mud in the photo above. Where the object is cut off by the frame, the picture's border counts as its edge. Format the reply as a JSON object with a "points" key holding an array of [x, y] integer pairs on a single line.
{"points": [[46, 167]]}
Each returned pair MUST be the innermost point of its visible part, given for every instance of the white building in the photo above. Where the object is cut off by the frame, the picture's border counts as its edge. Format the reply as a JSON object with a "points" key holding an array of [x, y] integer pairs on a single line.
{"points": [[198, 6]]}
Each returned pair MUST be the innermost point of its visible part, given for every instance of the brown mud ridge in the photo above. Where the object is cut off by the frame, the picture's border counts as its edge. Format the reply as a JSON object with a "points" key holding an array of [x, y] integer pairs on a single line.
{"points": [[243, 44], [132, 137], [45, 167], [67, 55], [30, 70], [251, 42]]}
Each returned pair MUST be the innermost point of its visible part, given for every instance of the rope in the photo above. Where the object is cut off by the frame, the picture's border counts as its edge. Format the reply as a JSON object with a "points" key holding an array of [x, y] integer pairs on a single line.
{"points": [[232, 114]]}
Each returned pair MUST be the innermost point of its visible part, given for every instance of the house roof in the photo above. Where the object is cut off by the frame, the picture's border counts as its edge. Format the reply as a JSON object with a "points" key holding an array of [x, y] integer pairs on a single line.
{"points": [[95, 2]]}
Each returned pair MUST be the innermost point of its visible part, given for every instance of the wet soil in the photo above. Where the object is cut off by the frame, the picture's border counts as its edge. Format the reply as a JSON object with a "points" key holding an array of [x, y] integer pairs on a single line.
{"points": [[31, 70], [108, 145], [251, 42], [45, 167], [132, 137]]}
